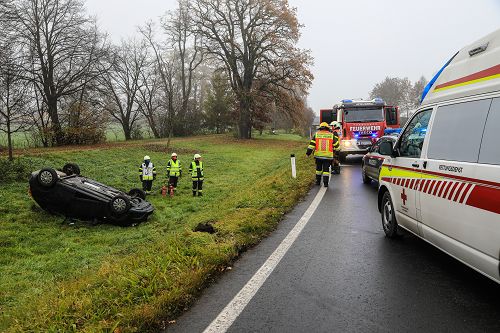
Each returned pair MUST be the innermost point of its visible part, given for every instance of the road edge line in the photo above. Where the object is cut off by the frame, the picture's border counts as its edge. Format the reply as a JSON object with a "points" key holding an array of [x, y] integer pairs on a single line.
{"points": [[229, 314]]}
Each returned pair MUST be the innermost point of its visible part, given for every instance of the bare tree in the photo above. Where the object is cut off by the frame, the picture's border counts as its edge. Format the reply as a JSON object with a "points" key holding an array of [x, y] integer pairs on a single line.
{"points": [[417, 90], [122, 84], [14, 91], [149, 99], [400, 91], [185, 45], [254, 40], [167, 73], [65, 46]]}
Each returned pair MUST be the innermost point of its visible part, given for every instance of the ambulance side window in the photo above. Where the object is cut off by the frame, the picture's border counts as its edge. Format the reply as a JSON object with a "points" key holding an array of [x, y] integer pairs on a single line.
{"points": [[490, 149], [457, 130], [413, 137]]}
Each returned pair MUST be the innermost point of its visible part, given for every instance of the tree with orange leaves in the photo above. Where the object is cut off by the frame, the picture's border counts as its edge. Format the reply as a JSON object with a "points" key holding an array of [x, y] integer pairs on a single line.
{"points": [[254, 41]]}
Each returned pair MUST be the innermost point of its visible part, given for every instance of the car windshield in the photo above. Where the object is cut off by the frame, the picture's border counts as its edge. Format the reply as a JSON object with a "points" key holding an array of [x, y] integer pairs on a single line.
{"points": [[362, 115]]}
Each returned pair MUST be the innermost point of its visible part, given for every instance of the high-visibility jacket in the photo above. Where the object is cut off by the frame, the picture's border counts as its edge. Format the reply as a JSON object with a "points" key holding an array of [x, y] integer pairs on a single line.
{"points": [[174, 168], [147, 171], [196, 170], [323, 143]]}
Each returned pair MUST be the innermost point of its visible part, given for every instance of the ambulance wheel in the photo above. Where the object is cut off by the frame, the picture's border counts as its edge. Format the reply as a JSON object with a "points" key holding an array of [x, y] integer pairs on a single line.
{"points": [[388, 214]]}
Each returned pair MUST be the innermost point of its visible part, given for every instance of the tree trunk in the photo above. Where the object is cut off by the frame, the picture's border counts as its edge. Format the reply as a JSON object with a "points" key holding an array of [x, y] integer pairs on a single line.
{"points": [[156, 134], [9, 141], [170, 131], [56, 125], [244, 124], [127, 130]]}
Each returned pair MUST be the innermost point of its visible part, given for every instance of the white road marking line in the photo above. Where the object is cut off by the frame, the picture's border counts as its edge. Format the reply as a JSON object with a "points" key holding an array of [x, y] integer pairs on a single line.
{"points": [[229, 314]]}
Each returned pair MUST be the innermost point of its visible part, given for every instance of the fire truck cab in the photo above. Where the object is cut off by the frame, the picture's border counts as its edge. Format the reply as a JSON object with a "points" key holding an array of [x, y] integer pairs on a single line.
{"points": [[363, 122]]}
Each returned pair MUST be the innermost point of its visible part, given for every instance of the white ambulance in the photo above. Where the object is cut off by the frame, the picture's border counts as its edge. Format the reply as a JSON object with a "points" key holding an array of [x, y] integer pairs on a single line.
{"points": [[441, 179]]}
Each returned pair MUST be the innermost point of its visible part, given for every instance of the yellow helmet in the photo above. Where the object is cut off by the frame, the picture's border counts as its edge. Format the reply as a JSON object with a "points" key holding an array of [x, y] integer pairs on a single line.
{"points": [[324, 124]]}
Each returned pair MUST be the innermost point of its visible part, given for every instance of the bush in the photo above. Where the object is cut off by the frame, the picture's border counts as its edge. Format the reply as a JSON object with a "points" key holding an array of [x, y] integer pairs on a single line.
{"points": [[87, 135], [11, 171], [85, 126]]}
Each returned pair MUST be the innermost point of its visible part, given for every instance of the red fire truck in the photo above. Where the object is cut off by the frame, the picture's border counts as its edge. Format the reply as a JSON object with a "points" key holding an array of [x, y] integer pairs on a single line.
{"points": [[363, 122]]}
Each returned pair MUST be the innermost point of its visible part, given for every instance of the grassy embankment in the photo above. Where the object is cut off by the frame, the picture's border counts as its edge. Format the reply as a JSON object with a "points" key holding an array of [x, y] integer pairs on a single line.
{"points": [[56, 276]]}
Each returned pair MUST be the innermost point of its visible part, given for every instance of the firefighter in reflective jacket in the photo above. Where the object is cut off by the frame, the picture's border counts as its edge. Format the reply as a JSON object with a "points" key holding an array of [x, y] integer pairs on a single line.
{"points": [[323, 144], [337, 131], [174, 171], [196, 170], [147, 173]]}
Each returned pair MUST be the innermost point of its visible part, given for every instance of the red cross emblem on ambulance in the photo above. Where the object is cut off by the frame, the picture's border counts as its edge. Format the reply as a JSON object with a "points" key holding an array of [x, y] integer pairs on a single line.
{"points": [[404, 197]]}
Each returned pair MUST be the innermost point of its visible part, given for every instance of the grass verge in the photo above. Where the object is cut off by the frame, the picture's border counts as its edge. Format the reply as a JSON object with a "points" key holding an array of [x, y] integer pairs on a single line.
{"points": [[60, 277]]}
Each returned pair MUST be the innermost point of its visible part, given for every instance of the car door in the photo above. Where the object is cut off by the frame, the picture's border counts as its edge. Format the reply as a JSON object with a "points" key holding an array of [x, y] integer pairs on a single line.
{"points": [[379, 158], [404, 170], [372, 161]]}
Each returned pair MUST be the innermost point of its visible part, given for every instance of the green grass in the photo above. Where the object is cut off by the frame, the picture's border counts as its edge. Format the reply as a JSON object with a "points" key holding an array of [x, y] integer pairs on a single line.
{"points": [[58, 277]]}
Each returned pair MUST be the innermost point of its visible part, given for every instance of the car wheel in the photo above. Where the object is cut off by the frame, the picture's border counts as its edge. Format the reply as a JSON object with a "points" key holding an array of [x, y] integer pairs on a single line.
{"points": [[342, 158], [137, 193], [47, 177], [389, 222], [119, 205], [366, 179], [71, 169]]}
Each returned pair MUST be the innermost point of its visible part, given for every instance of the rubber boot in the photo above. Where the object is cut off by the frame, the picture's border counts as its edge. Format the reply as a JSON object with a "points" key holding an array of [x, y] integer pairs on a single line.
{"points": [[200, 194], [194, 193], [325, 181], [318, 179]]}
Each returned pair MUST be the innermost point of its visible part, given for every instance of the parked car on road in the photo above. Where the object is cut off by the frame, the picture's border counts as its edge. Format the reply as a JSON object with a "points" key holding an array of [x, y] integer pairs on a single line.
{"points": [[372, 161], [66, 192]]}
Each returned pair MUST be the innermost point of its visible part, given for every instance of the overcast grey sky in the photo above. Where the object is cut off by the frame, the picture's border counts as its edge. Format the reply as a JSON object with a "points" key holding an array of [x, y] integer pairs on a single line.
{"points": [[355, 43]]}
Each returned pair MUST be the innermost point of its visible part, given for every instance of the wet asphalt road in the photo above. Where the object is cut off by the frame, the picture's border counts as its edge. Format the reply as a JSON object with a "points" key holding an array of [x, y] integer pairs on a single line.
{"points": [[343, 275]]}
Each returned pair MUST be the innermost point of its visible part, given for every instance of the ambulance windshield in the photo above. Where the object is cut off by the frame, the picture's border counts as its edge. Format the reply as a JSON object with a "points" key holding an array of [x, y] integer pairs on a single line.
{"points": [[363, 115]]}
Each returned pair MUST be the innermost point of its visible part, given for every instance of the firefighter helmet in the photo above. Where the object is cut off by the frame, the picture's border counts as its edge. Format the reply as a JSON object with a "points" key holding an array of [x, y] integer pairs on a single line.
{"points": [[147, 158], [174, 155], [197, 156], [324, 125]]}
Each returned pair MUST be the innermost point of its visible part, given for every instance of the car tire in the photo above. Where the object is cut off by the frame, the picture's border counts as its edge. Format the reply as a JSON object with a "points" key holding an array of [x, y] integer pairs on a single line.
{"points": [[119, 205], [366, 179], [342, 158], [137, 193], [388, 214], [47, 177], [71, 169]]}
